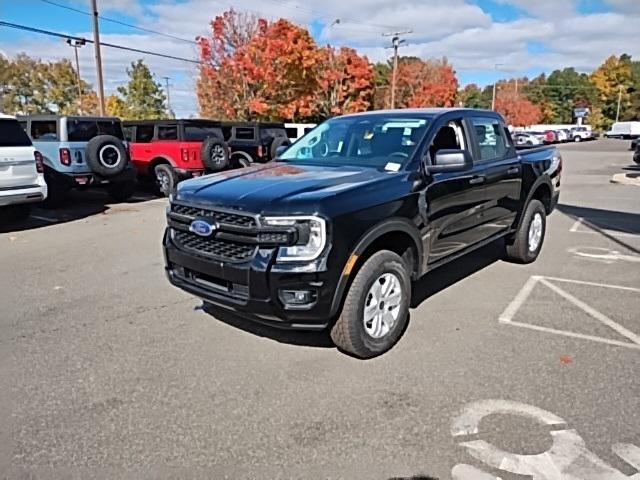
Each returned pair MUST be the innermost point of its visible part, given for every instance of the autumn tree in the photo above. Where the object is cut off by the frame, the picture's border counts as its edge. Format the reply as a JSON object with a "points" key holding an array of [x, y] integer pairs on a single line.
{"points": [[516, 108], [143, 97], [262, 70], [346, 83], [613, 80], [421, 83], [24, 86]]}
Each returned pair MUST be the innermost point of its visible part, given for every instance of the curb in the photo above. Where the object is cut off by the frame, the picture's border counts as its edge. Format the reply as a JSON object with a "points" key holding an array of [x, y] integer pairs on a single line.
{"points": [[626, 179]]}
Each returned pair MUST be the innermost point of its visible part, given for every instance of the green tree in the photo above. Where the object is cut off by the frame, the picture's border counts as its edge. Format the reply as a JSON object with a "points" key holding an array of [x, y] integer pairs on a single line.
{"points": [[61, 84], [565, 90], [633, 110], [143, 96], [381, 76], [23, 86], [471, 96]]}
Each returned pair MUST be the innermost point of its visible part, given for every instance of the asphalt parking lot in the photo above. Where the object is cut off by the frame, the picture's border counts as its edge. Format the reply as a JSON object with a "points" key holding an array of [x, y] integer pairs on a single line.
{"points": [[508, 371]]}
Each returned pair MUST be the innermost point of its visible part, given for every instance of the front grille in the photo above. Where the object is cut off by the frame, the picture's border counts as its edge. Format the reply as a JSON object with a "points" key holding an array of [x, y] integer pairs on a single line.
{"points": [[211, 247], [219, 216], [234, 240]]}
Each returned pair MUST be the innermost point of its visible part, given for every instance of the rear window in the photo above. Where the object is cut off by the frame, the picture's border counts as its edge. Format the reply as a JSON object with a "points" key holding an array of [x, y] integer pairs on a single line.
{"points": [[85, 130], [12, 134], [44, 130], [273, 132], [168, 132], [197, 133]]}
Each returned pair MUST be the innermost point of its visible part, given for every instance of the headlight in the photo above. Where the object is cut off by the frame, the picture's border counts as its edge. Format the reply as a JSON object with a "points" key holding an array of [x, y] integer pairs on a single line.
{"points": [[312, 237]]}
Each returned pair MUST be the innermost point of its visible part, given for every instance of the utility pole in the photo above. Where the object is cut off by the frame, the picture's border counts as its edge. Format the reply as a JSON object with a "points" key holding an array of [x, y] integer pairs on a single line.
{"points": [[76, 43], [493, 100], [396, 42], [516, 85], [619, 100], [96, 44], [166, 83]]}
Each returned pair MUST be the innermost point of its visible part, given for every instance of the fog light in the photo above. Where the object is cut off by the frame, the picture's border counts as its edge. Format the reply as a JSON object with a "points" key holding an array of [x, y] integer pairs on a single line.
{"points": [[297, 297]]}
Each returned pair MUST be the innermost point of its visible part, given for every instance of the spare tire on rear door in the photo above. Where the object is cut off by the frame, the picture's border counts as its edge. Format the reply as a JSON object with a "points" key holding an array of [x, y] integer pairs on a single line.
{"points": [[277, 143], [106, 155], [214, 154]]}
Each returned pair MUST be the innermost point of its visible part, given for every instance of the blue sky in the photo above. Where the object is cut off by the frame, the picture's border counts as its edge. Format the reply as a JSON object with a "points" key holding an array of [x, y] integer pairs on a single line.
{"points": [[521, 37]]}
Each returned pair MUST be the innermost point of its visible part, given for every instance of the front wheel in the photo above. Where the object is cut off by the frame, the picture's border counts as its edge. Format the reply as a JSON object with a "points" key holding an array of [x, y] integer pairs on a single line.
{"points": [[527, 241], [376, 308]]}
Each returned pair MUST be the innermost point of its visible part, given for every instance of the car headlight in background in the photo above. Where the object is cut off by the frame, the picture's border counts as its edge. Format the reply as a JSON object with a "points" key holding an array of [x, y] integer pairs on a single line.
{"points": [[312, 237]]}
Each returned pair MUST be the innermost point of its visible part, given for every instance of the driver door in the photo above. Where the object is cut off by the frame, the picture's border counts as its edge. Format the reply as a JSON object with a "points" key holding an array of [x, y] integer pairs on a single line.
{"points": [[454, 201]]}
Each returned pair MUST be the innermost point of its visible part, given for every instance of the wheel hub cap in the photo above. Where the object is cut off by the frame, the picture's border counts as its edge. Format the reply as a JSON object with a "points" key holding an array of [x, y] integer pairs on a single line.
{"points": [[217, 154], [382, 305], [163, 181], [535, 232]]}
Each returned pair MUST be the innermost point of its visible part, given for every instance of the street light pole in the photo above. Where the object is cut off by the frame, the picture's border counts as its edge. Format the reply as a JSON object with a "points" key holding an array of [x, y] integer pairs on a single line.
{"points": [[96, 44], [76, 43], [619, 101], [166, 82], [493, 100]]}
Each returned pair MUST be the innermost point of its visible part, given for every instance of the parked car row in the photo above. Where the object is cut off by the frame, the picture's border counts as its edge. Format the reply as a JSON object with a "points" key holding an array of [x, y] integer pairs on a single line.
{"points": [[546, 137], [75, 152]]}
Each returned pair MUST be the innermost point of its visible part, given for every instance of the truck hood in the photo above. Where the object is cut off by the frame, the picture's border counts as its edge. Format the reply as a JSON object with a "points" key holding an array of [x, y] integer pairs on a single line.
{"points": [[284, 188]]}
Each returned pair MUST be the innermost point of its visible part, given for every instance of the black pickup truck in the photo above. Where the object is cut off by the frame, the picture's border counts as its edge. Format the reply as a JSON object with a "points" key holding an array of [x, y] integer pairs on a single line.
{"points": [[333, 232]]}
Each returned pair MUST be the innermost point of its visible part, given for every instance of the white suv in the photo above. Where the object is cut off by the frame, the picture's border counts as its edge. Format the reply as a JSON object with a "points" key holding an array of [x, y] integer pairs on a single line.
{"points": [[21, 171]]}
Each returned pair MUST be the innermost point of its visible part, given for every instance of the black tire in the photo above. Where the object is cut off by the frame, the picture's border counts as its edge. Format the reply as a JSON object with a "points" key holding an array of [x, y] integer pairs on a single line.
{"points": [[121, 191], [215, 154], [15, 213], [277, 143], [56, 191], [166, 179], [349, 332], [106, 155], [519, 249], [241, 160]]}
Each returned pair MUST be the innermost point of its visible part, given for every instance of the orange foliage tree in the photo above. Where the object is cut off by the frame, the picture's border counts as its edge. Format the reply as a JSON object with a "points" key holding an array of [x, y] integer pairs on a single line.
{"points": [[345, 81], [430, 83], [516, 109], [260, 70]]}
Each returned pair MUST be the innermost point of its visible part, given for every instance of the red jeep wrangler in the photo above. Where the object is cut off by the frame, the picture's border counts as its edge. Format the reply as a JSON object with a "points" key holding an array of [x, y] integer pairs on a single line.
{"points": [[169, 151]]}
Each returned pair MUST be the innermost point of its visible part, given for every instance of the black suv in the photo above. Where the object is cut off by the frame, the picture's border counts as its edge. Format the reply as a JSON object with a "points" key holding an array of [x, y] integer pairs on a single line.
{"points": [[254, 142], [334, 231]]}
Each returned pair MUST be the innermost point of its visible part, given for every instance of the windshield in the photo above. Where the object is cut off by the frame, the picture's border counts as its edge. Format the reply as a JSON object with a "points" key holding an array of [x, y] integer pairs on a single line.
{"points": [[197, 132], [372, 140], [85, 130]]}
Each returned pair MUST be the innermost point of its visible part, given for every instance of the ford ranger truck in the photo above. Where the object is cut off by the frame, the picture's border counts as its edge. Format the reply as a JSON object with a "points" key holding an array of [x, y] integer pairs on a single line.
{"points": [[333, 233]]}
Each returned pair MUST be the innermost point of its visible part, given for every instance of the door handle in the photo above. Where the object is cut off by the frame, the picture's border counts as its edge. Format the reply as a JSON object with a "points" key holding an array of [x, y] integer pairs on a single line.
{"points": [[476, 180], [513, 170]]}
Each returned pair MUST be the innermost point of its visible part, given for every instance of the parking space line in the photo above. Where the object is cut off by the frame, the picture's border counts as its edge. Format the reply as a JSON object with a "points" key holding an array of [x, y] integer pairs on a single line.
{"points": [[44, 219], [594, 313], [575, 228], [574, 335], [507, 316]]}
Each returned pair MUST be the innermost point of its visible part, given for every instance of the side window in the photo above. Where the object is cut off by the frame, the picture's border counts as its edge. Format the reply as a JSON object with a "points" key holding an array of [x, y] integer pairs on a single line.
{"points": [[489, 138], [244, 133], [167, 132], [129, 132], [44, 130], [144, 133], [449, 137]]}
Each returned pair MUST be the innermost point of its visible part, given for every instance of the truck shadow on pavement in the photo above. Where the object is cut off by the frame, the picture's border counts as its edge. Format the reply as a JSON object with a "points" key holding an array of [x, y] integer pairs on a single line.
{"points": [[432, 283], [606, 222], [78, 205]]}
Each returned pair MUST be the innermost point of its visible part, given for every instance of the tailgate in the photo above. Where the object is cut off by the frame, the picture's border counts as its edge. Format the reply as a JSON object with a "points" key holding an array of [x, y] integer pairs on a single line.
{"points": [[17, 167]]}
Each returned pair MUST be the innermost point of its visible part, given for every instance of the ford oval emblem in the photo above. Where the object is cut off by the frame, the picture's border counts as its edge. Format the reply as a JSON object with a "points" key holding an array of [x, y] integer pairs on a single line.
{"points": [[202, 228]]}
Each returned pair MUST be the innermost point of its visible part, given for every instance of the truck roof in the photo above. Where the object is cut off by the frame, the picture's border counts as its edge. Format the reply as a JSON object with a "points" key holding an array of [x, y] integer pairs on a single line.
{"points": [[2, 115], [163, 121], [427, 112], [53, 116]]}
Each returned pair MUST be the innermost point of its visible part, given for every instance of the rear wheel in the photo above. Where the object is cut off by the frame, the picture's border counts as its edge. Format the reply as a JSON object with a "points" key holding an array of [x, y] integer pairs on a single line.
{"points": [[241, 160], [166, 179], [577, 138], [376, 308], [527, 241]]}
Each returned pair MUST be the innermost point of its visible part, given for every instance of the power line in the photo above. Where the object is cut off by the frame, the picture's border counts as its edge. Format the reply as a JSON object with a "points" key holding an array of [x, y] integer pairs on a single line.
{"points": [[113, 20], [104, 44]]}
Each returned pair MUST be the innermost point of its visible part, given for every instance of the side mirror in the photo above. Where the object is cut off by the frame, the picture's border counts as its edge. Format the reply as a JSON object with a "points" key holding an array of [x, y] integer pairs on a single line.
{"points": [[281, 149], [451, 161]]}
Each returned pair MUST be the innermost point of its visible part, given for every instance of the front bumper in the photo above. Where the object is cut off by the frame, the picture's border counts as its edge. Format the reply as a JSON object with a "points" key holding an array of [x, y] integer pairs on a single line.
{"points": [[26, 194], [251, 289]]}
